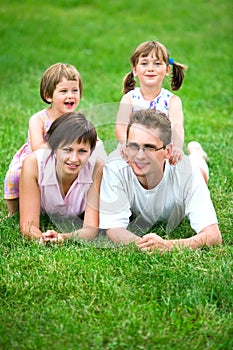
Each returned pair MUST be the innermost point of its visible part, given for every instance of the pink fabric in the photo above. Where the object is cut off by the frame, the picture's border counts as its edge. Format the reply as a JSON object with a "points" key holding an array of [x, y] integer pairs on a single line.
{"points": [[52, 201], [11, 182]]}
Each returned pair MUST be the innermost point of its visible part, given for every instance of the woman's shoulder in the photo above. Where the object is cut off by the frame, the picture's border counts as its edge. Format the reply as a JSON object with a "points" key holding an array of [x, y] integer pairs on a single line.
{"points": [[30, 163]]}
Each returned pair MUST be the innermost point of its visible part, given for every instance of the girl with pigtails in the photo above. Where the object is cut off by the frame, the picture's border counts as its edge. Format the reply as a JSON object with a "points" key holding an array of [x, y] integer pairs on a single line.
{"points": [[150, 64]]}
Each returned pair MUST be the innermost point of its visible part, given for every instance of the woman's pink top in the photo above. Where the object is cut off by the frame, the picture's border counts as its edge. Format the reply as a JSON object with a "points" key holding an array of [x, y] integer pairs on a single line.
{"points": [[52, 200]]}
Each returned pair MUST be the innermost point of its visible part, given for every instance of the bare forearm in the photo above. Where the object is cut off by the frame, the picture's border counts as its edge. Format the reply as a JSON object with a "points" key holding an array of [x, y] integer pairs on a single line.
{"points": [[121, 235], [207, 237], [30, 231], [87, 233]]}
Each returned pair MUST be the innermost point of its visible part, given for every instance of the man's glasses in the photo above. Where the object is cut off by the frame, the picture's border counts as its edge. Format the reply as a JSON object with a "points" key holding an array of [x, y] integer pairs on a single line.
{"points": [[134, 148]]}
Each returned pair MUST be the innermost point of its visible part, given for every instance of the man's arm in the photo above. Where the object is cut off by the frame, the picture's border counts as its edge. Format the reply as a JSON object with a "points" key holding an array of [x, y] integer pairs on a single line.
{"points": [[209, 236], [121, 235]]}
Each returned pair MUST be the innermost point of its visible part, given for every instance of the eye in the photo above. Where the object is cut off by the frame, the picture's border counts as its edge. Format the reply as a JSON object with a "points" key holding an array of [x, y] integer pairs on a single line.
{"points": [[83, 151], [149, 148], [66, 149], [75, 90], [133, 146]]}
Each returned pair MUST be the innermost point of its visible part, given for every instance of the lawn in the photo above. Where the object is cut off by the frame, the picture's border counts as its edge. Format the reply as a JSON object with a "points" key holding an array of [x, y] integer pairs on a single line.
{"points": [[91, 296]]}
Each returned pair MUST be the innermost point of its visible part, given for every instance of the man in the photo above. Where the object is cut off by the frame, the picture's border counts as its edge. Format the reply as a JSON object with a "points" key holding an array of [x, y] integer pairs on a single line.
{"points": [[144, 188]]}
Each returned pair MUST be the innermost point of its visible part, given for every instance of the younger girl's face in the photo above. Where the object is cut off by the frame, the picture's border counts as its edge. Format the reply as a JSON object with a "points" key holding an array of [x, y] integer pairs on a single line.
{"points": [[66, 96], [70, 159], [151, 70]]}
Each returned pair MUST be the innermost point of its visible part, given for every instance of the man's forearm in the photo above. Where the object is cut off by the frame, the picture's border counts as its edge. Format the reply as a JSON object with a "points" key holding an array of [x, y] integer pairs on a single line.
{"points": [[207, 237], [121, 235]]}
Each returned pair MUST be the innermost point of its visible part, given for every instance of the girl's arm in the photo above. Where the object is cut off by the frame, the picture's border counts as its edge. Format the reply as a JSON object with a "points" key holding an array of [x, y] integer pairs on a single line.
{"points": [[122, 118], [36, 133], [29, 199], [177, 122]]}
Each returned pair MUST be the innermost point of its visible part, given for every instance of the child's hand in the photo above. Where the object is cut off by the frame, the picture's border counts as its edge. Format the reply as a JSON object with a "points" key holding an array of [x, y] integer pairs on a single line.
{"points": [[176, 156]]}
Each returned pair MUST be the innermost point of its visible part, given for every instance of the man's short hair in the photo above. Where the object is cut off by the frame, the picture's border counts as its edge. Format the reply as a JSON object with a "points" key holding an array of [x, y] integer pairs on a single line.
{"points": [[152, 119]]}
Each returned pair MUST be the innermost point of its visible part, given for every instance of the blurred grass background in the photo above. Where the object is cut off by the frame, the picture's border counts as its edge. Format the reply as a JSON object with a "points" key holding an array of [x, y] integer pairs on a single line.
{"points": [[76, 297]]}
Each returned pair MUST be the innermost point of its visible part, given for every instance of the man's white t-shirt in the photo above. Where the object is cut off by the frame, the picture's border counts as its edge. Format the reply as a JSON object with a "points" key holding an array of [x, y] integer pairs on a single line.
{"points": [[181, 192]]}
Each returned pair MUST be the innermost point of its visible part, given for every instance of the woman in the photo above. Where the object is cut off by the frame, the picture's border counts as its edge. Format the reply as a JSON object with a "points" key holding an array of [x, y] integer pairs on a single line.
{"points": [[62, 180]]}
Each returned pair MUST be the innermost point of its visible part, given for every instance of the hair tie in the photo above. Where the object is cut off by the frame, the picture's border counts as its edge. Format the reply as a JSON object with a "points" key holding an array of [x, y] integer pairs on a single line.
{"points": [[171, 61], [131, 71]]}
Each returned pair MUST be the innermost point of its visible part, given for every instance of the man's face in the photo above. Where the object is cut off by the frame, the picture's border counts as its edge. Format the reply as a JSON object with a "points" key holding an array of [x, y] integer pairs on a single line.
{"points": [[147, 162]]}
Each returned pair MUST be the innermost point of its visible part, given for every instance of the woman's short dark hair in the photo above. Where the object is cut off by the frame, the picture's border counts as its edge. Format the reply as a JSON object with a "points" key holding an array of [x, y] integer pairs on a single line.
{"points": [[71, 127]]}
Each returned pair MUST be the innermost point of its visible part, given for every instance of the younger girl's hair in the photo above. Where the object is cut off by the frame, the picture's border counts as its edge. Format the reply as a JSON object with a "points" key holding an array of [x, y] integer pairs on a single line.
{"points": [[162, 54], [53, 75], [71, 127]]}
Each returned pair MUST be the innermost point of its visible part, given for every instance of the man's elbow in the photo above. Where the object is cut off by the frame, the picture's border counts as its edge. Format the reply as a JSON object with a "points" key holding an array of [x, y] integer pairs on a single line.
{"points": [[215, 237]]}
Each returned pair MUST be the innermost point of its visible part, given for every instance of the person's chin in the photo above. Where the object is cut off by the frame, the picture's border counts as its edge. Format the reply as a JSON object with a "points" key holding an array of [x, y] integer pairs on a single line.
{"points": [[140, 169]]}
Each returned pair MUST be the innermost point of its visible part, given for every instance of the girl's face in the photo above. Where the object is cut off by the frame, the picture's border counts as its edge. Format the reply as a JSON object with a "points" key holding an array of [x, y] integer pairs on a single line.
{"points": [[70, 159], [151, 70], [66, 97]]}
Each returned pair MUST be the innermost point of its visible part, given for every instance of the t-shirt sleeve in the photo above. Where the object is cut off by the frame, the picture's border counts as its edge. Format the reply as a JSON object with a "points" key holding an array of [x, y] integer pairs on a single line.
{"points": [[114, 203], [198, 204]]}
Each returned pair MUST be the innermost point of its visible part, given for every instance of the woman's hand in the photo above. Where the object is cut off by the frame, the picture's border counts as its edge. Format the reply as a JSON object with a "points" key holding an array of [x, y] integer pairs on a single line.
{"points": [[52, 237]]}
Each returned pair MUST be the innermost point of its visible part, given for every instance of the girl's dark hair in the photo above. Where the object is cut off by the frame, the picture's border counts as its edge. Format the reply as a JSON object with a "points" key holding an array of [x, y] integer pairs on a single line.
{"points": [[53, 75], [152, 119], [161, 52], [71, 127]]}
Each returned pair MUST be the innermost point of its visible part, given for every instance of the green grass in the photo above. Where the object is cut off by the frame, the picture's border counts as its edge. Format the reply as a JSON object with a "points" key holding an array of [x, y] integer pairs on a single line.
{"points": [[81, 296]]}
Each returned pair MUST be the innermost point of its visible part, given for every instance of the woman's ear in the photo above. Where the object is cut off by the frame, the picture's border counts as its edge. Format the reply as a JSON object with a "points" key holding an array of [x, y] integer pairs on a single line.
{"points": [[134, 71]]}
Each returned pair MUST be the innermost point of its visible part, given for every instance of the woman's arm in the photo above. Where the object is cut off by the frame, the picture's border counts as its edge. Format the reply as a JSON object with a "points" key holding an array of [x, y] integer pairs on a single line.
{"points": [[122, 118], [91, 217], [29, 199]]}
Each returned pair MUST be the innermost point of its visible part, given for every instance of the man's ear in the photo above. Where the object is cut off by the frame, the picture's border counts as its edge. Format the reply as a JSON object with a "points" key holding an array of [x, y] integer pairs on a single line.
{"points": [[168, 151]]}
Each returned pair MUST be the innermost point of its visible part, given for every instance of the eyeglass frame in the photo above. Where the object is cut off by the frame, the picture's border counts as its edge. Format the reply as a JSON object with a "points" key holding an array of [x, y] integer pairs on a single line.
{"points": [[145, 148]]}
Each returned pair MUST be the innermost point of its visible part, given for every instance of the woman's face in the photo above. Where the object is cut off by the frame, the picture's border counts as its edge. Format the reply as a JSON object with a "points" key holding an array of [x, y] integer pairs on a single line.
{"points": [[70, 159]]}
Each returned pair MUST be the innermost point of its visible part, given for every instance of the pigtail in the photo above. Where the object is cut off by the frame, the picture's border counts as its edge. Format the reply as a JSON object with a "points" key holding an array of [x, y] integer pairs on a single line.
{"points": [[177, 76], [129, 83]]}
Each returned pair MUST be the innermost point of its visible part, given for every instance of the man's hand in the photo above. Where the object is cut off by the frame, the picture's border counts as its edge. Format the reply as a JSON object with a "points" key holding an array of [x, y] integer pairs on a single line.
{"points": [[151, 241]]}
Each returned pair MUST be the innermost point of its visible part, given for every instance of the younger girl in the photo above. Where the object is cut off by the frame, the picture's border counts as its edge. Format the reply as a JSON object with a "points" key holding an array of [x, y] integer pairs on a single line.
{"points": [[62, 181], [151, 64]]}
